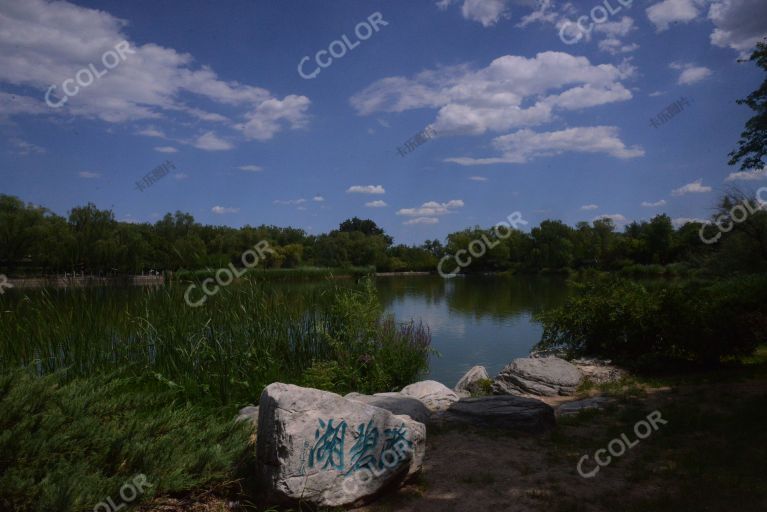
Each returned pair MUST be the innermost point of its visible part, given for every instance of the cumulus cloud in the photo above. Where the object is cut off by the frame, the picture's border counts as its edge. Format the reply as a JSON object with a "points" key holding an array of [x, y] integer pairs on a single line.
{"points": [[211, 142], [739, 24], [524, 145], [656, 204], [318, 199], [477, 178], [486, 12], [89, 175], [290, 201], [690, 73], [366, 189], [664, 13], [376, 204], [589, 207], [511, 92], [222, 210], [747, 175], [250, 168], [44, 43], [152, 132], [432, 209], [696, 187], [422, 220], [166, 149]]}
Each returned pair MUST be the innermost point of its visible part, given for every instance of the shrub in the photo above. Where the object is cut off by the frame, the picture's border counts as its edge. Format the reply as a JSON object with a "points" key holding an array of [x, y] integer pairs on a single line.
{"points": [[639, 324]]}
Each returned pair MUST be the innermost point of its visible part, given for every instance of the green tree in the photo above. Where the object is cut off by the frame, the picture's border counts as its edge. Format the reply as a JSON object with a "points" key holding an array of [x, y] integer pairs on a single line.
{"points": [[752, 146]]}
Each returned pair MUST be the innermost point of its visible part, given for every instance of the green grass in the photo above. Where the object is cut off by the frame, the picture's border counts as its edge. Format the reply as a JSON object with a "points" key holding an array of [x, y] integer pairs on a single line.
{"points": [[67, 445], [100, 385]]}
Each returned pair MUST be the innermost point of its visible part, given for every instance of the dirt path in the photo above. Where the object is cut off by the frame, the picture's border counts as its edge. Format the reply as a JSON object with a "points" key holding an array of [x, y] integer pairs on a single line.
{"points": [[470, 471]]}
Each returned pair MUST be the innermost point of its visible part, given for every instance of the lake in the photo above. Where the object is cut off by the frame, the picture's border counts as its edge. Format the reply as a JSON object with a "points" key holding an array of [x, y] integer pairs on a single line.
{"points": [[485, 320]]}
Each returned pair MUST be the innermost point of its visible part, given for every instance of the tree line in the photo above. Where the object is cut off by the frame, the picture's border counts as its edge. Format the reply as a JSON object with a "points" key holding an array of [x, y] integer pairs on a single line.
{"points": [[34, 240]]}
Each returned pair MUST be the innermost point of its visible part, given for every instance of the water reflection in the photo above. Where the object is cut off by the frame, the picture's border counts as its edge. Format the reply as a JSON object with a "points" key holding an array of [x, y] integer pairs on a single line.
{"points": [[474, 320]]}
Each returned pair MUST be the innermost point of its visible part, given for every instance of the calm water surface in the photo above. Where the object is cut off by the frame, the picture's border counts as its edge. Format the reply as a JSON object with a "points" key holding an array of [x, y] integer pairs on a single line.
{"points": [[485, 320]]}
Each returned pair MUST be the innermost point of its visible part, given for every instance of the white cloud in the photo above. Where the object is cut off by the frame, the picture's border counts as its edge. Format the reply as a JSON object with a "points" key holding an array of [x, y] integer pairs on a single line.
{"points": [[617, 218], [318, 199], [250, 168], [166, 149], [656, 204], [222, 210], [272, 115], [740, 24], [620, 28], [589, 207], [24, 147], [290, 201], [432, 209], [89, 175], [376, 204], [366, 189], [211, 142], [422, 220], [615, 46], [524, 145], [477, 178], [690, 73], [511, 92], [747, 175], [545, 13], [152, 132], [681, 221], [696, 187], [486, 12], [44, 43], [664, 13], [180, 176]]}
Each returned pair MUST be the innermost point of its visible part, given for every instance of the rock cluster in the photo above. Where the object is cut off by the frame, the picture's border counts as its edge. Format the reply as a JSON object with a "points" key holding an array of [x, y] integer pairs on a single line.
{"points": [[331, 451]]}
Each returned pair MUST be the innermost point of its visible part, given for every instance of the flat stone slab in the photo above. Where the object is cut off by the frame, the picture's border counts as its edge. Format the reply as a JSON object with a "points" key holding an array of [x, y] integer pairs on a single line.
{"points": [[546, 376], [395, 403], [506, 412]]}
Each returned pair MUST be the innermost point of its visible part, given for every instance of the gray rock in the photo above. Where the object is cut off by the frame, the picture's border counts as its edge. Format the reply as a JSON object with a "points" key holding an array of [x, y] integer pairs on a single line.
{"points": [[395, 403], [501, 411], [434, 395], [471, 382], [597, 402], [548, 376], [320, 448]]}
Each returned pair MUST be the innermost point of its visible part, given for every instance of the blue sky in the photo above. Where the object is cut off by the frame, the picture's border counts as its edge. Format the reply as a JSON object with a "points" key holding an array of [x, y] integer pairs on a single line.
{"points": [[524, 122]]}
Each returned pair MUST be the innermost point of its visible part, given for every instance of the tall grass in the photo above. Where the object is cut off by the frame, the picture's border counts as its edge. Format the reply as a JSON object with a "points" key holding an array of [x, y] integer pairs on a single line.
{"points": [[227, 351]]}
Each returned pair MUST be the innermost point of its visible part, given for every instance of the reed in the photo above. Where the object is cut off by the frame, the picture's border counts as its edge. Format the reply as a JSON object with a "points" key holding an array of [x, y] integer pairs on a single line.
{"points": [[245, 337]]}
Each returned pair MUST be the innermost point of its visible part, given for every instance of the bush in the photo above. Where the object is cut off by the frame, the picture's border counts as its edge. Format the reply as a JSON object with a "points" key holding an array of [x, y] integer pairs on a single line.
{"points": [[640, 324]]}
